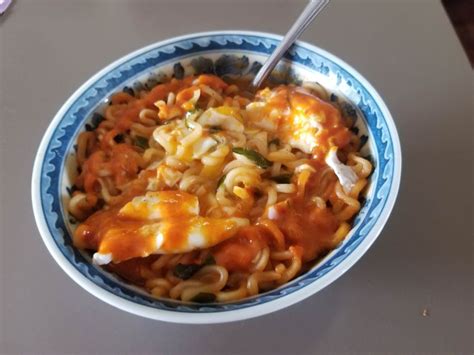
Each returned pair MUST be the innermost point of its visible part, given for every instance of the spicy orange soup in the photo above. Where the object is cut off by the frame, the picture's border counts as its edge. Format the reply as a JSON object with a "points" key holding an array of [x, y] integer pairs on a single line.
{"points": [[199, 192]]}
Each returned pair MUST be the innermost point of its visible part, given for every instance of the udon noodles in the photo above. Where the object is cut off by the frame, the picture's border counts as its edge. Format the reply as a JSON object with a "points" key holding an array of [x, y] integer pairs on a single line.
{"points": [[199, 191]]}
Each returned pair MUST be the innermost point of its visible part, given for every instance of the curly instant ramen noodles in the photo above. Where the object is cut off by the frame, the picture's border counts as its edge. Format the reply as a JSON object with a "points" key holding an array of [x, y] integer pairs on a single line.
{"points": [[198, 191]]}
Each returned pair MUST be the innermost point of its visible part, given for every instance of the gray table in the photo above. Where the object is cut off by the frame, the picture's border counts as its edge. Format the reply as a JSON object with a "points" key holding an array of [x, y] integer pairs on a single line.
{"points": [[422, 262]]}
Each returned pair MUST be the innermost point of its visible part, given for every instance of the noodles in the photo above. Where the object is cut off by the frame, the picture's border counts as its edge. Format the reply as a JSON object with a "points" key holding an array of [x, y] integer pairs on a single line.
{"points": [[199, 194]]}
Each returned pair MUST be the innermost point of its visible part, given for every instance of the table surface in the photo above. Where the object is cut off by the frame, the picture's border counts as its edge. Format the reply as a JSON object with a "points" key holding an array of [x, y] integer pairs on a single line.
{"points": [[411, 292]]}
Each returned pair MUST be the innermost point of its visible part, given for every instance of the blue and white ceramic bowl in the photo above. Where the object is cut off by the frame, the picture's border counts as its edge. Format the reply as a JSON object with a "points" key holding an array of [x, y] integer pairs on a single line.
{"points": [[224, 53]]}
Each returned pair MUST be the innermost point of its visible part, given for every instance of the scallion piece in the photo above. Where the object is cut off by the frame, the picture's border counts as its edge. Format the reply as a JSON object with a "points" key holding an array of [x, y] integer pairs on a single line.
{"points": [[254, 156], [282, 179], [209, 260], [204, 297], [141, 142], [185, 271]]}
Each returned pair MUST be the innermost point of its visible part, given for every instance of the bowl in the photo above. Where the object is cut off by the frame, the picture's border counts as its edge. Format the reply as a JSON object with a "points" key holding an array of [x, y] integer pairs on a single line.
{"points": [[232, 53]]}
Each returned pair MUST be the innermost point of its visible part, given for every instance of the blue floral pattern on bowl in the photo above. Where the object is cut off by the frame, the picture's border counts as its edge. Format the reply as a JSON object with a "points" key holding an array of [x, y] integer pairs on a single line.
{"points": [[235, 54]]}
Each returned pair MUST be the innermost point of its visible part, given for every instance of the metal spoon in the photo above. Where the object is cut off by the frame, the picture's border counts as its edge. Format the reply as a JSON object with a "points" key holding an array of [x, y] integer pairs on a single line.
{"points": [[311, 10]]}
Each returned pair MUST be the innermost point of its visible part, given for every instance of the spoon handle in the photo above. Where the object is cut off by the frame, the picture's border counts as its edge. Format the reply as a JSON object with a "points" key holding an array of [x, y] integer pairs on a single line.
{"points": [[311, 10]]}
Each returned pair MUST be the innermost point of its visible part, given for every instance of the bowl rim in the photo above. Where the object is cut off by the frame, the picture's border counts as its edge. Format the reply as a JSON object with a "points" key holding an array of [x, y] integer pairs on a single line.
{"points": [[229, 315]]}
